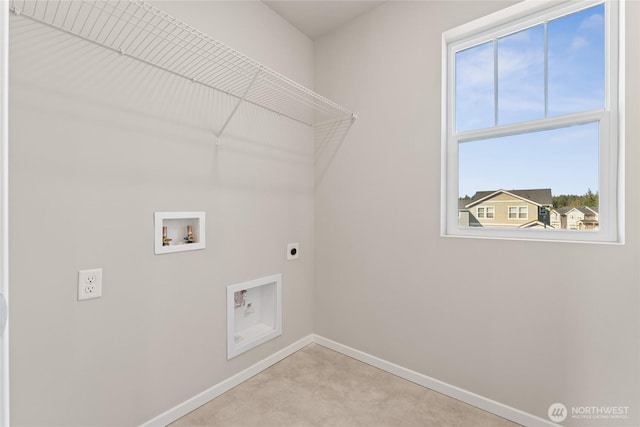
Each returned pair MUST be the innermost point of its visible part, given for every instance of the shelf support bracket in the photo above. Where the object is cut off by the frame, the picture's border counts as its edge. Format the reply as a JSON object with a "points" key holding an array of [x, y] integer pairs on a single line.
{"points": [[233, 112]]}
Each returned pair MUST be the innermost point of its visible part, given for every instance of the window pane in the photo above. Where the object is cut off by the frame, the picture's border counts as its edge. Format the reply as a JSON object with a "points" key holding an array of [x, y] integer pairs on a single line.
{"points": [[523, 211], [474, 88], [521, 76], [576, 62], [514, 162], [517, 174]]}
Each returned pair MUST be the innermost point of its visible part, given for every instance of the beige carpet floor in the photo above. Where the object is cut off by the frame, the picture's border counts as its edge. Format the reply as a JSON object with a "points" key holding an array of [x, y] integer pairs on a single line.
{"points": [[320, 387]]}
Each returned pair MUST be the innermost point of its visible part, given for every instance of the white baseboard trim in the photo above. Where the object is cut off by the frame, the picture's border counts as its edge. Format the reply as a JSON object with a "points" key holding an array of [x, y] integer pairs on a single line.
{"points": [[460, 394], [195, 402]]}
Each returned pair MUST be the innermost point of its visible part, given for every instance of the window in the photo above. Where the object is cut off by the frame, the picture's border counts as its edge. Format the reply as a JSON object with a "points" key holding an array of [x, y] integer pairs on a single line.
{"points": [[523, 212], [490, 212], [530, 109], [518, 212], [485, 212]]}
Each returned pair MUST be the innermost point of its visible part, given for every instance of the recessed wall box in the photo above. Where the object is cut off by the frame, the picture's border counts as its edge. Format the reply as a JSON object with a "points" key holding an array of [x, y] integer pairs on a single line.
{"points": [[254, 313], [179, 231], [293, 251]]}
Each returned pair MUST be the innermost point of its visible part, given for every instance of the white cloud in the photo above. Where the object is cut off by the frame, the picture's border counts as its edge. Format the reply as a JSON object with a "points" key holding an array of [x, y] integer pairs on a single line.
{"points": [[578, 43], [474, 68], [594, 22]]}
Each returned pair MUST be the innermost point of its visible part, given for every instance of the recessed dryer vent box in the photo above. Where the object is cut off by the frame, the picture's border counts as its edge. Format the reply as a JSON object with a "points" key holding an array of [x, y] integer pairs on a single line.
{"points": [[179, 231], [254, 313]]}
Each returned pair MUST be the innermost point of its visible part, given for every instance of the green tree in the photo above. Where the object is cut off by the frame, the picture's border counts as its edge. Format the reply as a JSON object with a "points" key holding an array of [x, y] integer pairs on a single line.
{"points": [[590, 199]]}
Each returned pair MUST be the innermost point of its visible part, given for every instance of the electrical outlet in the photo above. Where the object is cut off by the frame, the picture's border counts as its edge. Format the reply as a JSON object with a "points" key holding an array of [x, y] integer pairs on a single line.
{"points": [[89, 284], [293, 251]]}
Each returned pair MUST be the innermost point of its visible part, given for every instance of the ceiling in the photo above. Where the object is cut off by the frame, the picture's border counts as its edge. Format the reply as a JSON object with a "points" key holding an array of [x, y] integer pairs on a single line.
{"points": [[317, 18]]}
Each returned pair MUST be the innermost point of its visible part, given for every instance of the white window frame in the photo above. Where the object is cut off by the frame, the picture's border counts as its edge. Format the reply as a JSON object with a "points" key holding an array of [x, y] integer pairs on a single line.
{"points": [[485, 212], [526, 212], [518, 212], [492, 210], [611, 186]]}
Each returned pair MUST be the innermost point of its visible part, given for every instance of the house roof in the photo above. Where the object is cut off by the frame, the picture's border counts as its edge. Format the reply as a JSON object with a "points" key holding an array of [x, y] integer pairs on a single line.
{"points": [[539, 196], [462, 203], [534, 224], [563, 210], [587, 210]]}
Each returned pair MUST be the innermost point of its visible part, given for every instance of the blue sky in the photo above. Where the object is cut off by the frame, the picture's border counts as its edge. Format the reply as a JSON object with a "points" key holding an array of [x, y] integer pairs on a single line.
{"points": [[565, 160]]}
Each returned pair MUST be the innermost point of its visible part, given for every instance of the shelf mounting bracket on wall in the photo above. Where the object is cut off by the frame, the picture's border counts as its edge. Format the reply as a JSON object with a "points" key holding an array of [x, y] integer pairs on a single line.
{"points": [[143, 32], [233, 112]]}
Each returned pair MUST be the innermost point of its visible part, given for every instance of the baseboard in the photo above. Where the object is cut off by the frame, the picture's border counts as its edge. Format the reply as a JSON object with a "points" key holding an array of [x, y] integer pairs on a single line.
{"points": [[465, 396], [460, 394], [195, 402]]}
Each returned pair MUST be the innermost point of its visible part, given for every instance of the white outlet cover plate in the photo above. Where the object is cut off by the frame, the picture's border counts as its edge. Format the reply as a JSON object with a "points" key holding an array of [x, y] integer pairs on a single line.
{"points": [[89, 284], [293, 251]]}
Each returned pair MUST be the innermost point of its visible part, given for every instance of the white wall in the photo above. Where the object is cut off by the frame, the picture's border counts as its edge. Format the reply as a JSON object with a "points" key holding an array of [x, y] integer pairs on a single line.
{"points": [[524, 323], [98, 144]]}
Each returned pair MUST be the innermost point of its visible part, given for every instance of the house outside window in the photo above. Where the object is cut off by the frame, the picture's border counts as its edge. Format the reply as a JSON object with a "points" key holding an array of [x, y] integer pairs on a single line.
{"points": [[480, 212], [532, 93], [518, 212], [485, 212], [505, 209]]}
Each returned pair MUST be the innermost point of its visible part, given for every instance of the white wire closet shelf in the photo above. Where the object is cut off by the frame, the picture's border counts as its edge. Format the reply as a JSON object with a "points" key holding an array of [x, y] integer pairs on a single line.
{"points": [[141, 31]]}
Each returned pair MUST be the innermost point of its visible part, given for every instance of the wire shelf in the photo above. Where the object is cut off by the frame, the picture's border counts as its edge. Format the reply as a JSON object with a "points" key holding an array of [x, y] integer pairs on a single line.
{"points": [[139, 30]]}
